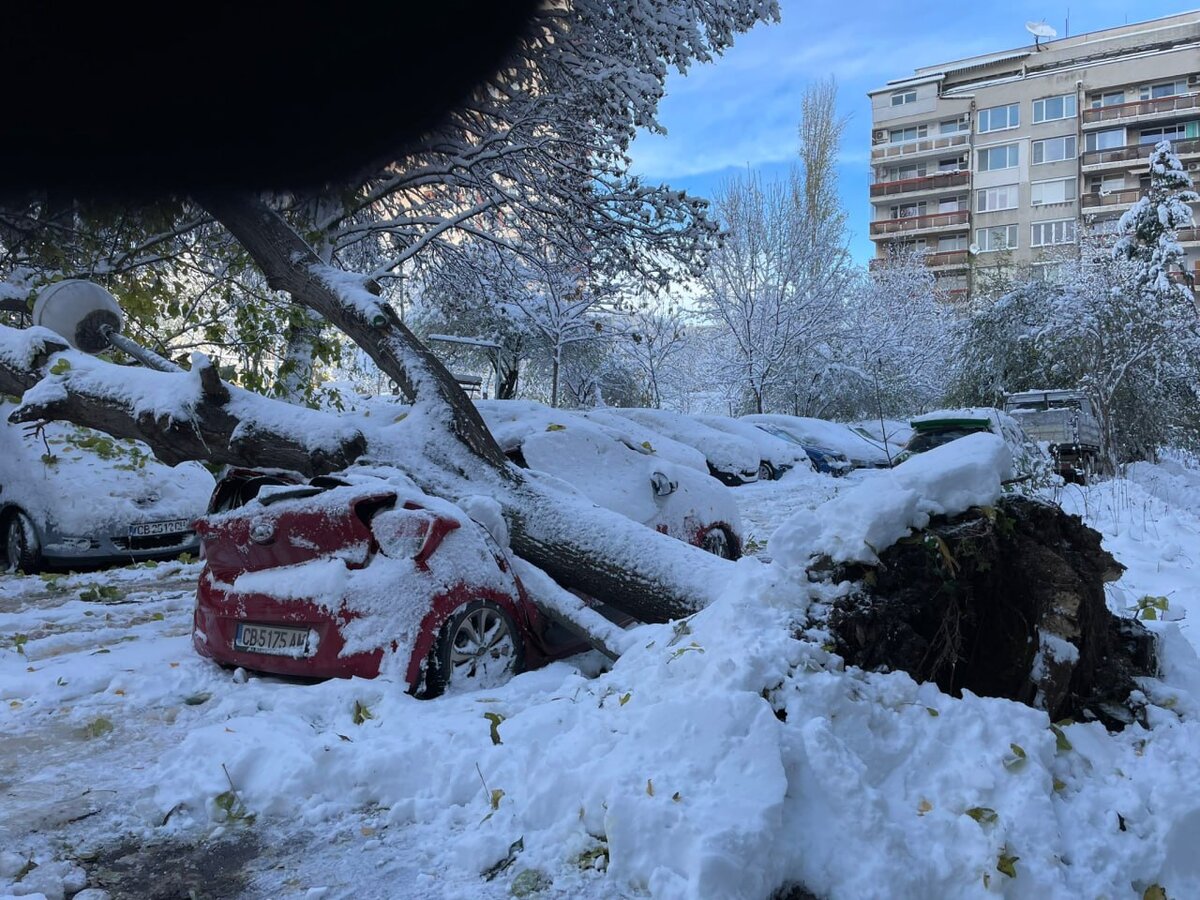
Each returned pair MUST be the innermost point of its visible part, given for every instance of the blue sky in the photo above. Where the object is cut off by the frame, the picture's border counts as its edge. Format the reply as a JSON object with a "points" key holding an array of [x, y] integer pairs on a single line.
{"points": [[743, 110]]}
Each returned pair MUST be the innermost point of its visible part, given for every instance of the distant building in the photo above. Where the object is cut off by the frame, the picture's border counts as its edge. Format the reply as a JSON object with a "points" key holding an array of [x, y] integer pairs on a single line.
{"points": [[1000, 159]]}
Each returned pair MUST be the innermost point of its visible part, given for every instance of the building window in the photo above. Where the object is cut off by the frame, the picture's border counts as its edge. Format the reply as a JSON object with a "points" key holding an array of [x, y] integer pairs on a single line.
{"points": [[903, 173], [1112, 98], [998, 237], [1045, 234], [951, 243], [950, 165], [1054, 149], [911, 133], [954, 126], [1003, 157], [1163, 89], [907, 210], [1105, 140], [951, 204], [1050, 109], [1060, 190], [904, 97], [1168, 133], [992, 199], [998, 118], [1106, 184]]}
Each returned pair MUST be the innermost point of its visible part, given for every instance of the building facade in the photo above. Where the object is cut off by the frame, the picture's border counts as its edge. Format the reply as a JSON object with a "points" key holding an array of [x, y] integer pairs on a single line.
{"points": [[998, 162]]}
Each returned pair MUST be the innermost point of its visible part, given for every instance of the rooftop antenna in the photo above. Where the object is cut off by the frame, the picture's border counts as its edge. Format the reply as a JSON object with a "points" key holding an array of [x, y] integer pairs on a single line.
{"points": [[1040, 30]]}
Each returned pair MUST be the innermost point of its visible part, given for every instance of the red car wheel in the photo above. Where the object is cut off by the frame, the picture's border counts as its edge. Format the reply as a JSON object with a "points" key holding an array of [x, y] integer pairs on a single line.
{"points": [[478, 648]]}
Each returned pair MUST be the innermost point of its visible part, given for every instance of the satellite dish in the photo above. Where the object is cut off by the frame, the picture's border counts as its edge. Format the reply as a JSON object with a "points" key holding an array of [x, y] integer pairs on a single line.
{"points": [[1040, 30], [973, 249]]}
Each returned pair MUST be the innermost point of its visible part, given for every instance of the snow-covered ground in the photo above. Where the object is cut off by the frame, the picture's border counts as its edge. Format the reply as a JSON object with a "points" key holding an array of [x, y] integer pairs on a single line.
{"points": [[722, 757]]}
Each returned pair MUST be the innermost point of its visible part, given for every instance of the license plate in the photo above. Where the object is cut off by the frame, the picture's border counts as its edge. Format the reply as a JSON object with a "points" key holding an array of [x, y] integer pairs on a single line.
{"points": [[172, 526], [272, 640]]}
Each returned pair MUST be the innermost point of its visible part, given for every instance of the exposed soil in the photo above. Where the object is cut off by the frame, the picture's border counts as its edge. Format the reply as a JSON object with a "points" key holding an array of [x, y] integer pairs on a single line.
{"points": [[988, 602], [170, 870]]}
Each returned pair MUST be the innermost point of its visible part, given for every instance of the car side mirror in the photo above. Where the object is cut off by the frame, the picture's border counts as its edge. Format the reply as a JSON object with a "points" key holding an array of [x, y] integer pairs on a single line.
{"points": [[663, 486]]}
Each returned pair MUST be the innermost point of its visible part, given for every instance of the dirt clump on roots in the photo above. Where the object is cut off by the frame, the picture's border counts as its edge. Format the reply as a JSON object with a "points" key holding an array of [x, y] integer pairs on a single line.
{"points": [[1006, 601]]}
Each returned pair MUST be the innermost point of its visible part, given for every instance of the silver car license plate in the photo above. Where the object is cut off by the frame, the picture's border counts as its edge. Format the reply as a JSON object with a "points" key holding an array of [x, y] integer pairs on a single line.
{"points": [[171, 526], [272, 640]]}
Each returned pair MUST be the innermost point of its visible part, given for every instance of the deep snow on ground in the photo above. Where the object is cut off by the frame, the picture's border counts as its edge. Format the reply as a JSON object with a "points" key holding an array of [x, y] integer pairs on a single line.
{"points": [[721, 757]]}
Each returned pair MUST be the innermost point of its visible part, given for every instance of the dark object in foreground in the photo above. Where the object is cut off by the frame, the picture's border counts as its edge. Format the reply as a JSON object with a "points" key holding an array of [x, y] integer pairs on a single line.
{"points": [[1006, 602]]}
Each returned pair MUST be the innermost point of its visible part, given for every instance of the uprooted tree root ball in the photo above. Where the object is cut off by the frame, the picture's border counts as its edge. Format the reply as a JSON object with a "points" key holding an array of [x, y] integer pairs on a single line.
{"points": [[1006, 602]]}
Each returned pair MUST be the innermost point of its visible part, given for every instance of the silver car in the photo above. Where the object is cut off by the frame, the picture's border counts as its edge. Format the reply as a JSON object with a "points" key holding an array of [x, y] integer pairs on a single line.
{"points": [[71, 497]]}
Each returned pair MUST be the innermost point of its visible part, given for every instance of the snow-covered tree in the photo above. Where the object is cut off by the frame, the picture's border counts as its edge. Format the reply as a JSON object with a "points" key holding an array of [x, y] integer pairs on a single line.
{"points": [[895, 344], [1133, 350], [1149, 229], [773, 286], [653, 336]]}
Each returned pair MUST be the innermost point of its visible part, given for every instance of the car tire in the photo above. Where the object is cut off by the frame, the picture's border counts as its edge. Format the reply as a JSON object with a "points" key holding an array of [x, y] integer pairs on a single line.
{"points": [[766, 471], [478, 648], [717, 541], [22, 552]]}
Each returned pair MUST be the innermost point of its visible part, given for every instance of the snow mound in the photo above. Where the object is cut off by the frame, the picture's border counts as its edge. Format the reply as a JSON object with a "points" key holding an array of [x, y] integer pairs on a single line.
{"points": [[859, 524]]}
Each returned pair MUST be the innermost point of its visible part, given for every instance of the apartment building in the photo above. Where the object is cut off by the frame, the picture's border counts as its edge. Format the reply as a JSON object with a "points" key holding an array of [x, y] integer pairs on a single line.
{"points": [[999, 160]]}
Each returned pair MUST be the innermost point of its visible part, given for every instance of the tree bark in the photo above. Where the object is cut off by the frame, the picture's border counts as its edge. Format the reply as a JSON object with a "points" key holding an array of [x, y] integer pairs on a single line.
{"points": [[225, 424]]}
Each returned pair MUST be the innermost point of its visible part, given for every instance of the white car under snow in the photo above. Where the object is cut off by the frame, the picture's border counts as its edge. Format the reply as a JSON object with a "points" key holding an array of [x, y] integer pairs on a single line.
{"points": [[613, 471], [72, 497], [730, 458]]}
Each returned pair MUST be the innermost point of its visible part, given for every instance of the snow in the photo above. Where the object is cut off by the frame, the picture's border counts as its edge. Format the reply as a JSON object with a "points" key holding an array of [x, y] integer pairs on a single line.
{"points": [[862, 522], [724, 755], [726, 452]]}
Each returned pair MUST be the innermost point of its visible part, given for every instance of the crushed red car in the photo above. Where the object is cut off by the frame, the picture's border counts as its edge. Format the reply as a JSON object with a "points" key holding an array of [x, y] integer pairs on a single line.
{"points": [[358, 575]]}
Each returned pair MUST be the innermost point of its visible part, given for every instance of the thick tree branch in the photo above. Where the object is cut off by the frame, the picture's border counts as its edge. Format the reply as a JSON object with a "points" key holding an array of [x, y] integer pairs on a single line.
{"points": [[209, 419]]}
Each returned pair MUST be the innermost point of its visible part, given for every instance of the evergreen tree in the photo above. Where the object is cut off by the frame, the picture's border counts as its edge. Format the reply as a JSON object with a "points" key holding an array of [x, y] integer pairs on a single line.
{"points": [[1149, 229]]}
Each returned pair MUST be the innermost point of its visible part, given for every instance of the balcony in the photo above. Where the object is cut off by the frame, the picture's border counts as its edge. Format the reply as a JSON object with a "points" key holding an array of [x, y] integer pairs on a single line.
{"points": [[1188, 235], [926, 184], [1140, 110], [1125, 157], [921, 224], [912, 149], [1111, 199], [946, 260]]}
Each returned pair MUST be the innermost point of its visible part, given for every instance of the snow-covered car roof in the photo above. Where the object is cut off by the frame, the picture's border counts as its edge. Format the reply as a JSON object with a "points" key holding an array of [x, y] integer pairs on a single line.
{"points": [[81, 481], [725, 452], [639, 434], [896, 432], [607, 468], [859, 449], [778, 452]]}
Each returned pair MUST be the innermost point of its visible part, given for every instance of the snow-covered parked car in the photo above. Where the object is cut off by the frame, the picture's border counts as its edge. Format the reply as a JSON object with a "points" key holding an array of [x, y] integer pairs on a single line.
{"points": [[71, 497], [1031, 462], [832, 446], [730, 458], [612, 470], [776, 455], [359, 574]]}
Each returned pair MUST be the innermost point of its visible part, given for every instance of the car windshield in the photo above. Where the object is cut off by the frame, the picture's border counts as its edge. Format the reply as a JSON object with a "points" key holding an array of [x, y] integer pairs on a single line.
{"points": [[927, 440]]}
